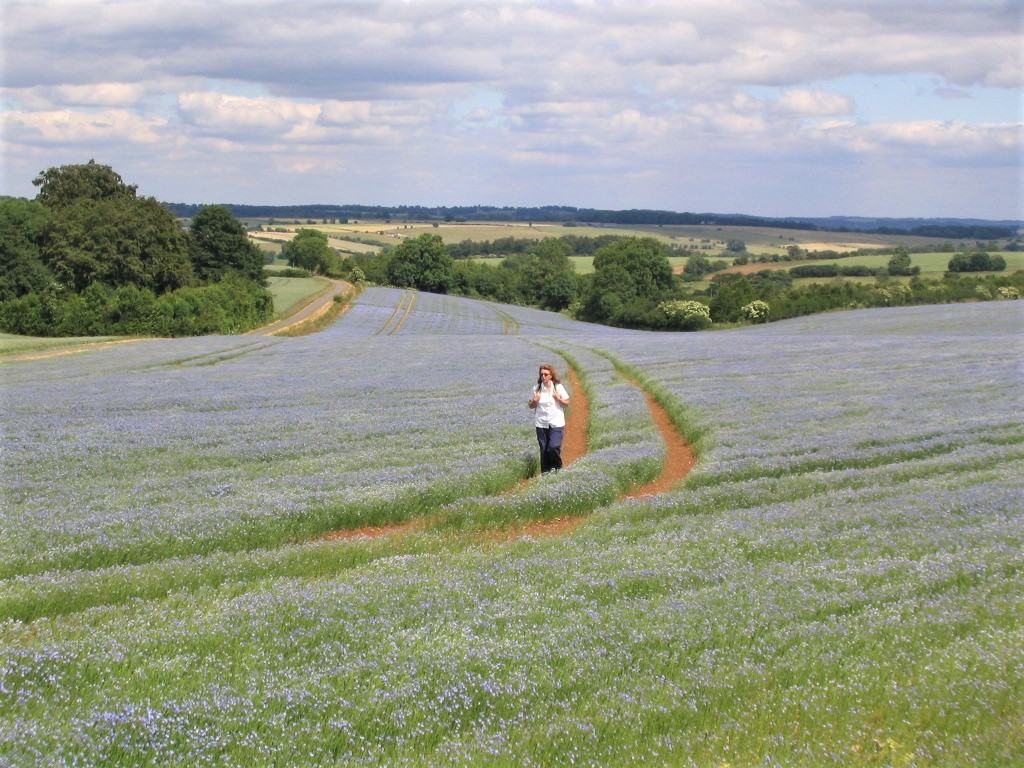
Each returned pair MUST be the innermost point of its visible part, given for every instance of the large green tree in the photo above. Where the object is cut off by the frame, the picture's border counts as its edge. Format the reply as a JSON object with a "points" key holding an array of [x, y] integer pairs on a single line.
{"points": [[117, 241], [22, 223], [309, 250], [219, 244], [99, 230], [899, 264], [546, 275], [422, 262], [69, 184], [729, 294], [630, 276]]}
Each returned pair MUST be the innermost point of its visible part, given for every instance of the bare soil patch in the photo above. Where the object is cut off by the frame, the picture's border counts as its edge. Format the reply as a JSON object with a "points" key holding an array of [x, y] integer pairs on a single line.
{"points": [[574, 444], [541, 529], [680, 457], [375, 531]]}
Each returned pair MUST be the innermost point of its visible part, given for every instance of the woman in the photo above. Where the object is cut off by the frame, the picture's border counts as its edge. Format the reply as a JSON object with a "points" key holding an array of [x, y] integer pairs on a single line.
{"points": [[548, 401]]}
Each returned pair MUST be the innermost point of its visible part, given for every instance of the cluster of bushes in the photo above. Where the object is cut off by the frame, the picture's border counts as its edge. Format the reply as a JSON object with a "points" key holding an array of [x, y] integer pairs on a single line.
{"points": [[899, 264], [727, 303], [836, 270], [227, 306], [541, 276], [792, 253], [89, 256], [633, 285], [698, 265], [979, 261], [578, 245]]}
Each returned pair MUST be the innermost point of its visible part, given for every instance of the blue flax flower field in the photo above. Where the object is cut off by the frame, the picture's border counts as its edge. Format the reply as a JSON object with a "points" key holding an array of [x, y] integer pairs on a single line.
{"points": [[838, 582]]}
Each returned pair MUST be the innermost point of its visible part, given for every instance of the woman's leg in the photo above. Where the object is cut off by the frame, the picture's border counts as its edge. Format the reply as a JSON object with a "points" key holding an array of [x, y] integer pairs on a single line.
{"points": [[555, 447], [543, 433]]}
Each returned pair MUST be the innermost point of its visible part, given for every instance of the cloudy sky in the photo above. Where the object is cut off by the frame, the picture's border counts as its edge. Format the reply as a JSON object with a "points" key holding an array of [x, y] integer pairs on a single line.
{"points": [[768, 107]]}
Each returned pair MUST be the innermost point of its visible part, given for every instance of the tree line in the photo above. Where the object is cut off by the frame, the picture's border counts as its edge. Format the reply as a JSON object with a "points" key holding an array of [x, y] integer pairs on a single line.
{"points": [[633, 284], [569, 215], [90, 256]]}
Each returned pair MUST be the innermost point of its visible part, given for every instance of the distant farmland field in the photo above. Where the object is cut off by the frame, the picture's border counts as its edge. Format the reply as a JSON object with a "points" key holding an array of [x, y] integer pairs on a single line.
{"points": [[325, 550], [709, 239], [931, 264], [274, 240], [776, 240]]}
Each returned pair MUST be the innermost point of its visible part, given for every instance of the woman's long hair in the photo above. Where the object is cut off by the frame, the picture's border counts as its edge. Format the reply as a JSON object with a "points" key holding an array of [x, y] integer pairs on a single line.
{"points": [[554, 375]]}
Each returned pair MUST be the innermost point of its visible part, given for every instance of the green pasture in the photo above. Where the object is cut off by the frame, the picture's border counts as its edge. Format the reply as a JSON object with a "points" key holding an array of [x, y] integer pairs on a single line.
{"points": [[290, 292], [931, 264], [278, 265], [267, 246]]}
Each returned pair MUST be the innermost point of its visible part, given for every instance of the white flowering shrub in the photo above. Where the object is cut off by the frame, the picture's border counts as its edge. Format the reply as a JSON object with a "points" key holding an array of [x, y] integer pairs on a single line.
{"points": [[1009, 292], [893, 294], [756, 311], [687, 315]]}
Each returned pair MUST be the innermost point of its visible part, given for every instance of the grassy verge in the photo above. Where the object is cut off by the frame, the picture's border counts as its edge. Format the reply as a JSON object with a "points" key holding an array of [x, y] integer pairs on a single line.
{"points": [[324, 319], [684, 419], [261, 533], [12, 344], [291, 294]]}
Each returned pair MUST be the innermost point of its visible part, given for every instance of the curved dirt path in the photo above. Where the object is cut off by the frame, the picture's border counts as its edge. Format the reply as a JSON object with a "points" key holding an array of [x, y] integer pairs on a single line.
{"points": [[680, 459], [319, 304], [574, 447]]}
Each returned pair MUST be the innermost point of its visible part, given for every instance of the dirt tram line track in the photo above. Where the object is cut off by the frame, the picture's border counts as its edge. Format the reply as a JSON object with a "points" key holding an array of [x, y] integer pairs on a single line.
{"points": [[680, 459]]}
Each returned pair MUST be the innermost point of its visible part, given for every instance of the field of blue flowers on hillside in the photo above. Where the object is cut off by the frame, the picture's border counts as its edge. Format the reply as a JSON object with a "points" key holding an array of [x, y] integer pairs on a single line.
{"points": [[170, 447], [839, 582]]}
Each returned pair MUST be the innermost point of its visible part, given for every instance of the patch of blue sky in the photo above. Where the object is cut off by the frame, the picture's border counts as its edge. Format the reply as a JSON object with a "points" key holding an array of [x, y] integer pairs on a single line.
{"points": [[912, 97], [232, 87], [482, 105]]}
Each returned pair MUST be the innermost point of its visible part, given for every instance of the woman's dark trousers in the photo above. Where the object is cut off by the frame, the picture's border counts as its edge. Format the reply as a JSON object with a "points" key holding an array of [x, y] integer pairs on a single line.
{"points": [[550, 441]]}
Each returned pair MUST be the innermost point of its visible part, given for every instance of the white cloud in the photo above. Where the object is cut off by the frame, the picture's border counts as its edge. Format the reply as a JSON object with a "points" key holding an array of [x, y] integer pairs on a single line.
{"points": [[100, 94], [589, 87], [953, 137], [940, 140], [80, 128], [221, 113], [345, 113], [814, 103]]}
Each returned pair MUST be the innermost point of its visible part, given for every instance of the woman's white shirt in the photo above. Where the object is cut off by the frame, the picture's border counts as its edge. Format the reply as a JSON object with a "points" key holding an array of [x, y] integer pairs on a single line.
{"points": [[549, 412]]}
